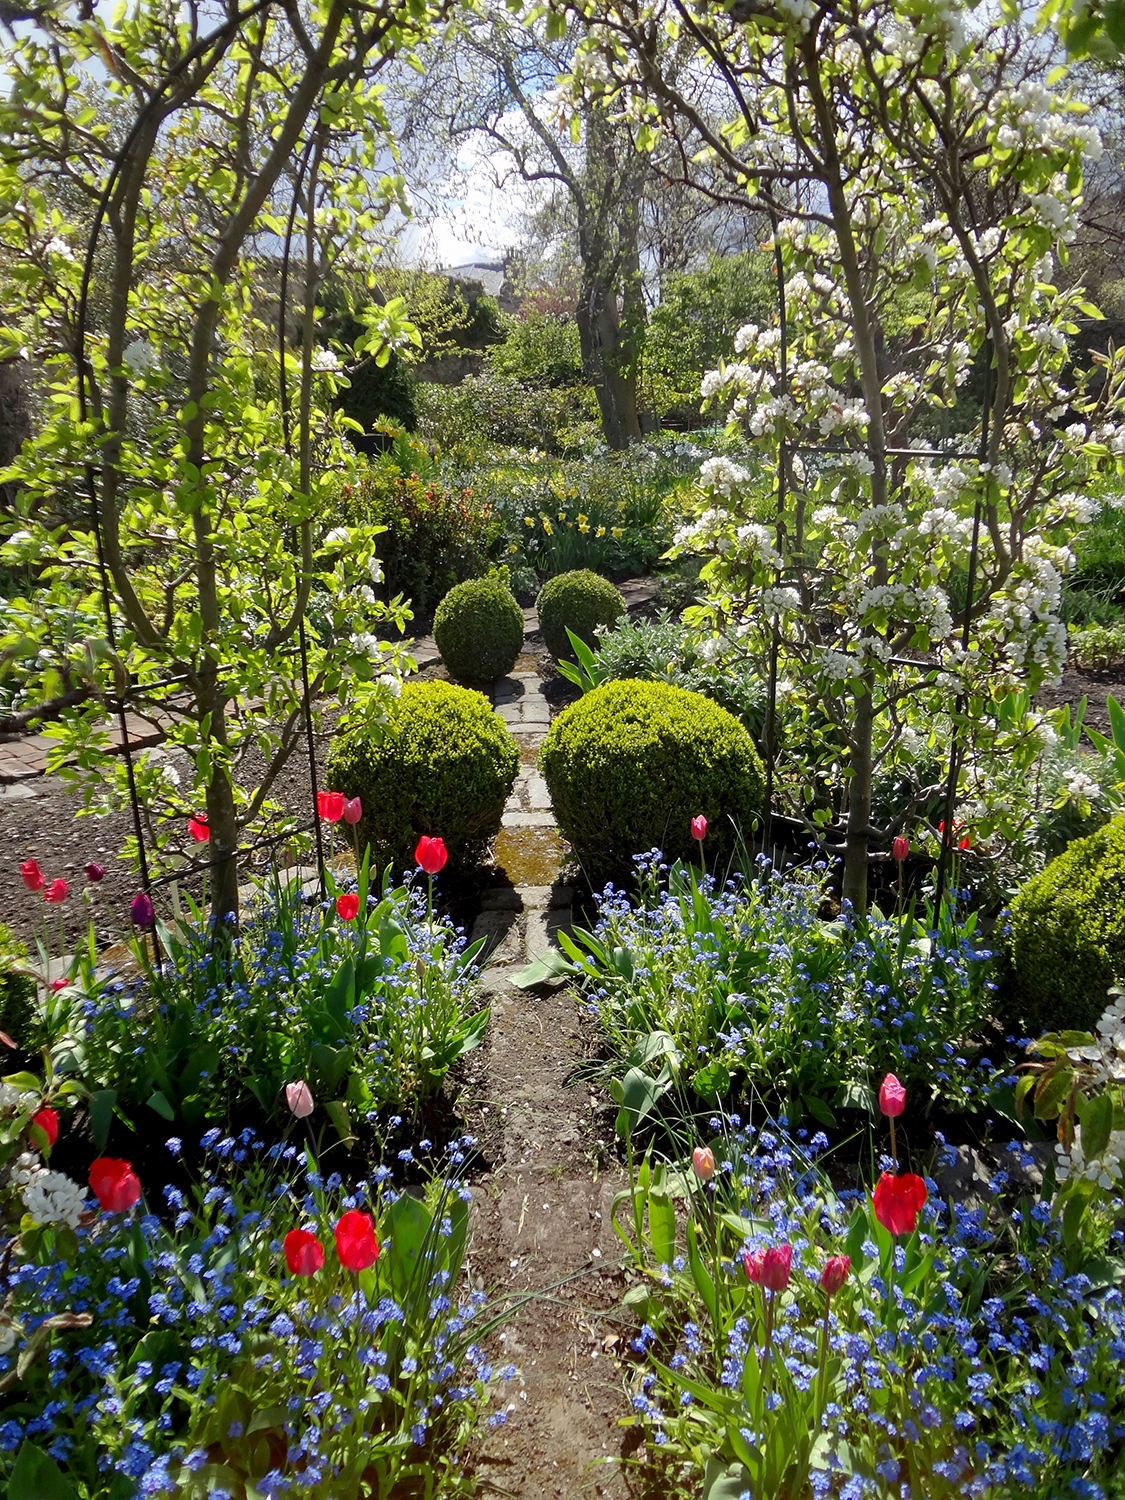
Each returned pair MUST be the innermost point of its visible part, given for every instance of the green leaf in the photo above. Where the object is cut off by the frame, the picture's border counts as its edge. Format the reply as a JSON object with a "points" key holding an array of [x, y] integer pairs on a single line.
{"points": [[160, 1104], [699, 1272], [101, 1115], [547, 967], [819, 1110], [36, 1476], [662, 1227], [1073, 1214], [337, 1112], [1096, 1115], [406, 1224]]}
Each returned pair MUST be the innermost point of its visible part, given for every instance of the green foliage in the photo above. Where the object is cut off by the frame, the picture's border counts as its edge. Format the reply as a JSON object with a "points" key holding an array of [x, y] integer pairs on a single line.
{"points": [[1097, 648], [1067, 941], [579, 601], [432, 537], [541, 349], [444, 767], [630, 764], [501, 409], [664, 650], [371, 1012], [478, 628], [689, 330], [754, 992], [17, 989]]}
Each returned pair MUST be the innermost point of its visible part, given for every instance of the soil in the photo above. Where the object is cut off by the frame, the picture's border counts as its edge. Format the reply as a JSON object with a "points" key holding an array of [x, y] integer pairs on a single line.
{"points": [[1095, 687]]}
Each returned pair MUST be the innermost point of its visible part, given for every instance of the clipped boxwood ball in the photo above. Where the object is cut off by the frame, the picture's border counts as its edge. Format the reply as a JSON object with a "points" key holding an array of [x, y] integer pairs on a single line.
{"points": [[478, 628], [629, 765], [1067, 941], [444, 767], [579, 601]]}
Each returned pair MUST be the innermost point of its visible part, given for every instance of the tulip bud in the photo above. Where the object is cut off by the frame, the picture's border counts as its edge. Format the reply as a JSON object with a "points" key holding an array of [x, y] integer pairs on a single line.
{"points": [[141, 912], [48, 1121], [900, 849], [699, 828], [776, 1262], [353, 810], [32, 875], [703, 1163], [892, 1097], [299, 1098], [330, 806], [347, 906], [835, 1273], [431, 854], [95, 872]]}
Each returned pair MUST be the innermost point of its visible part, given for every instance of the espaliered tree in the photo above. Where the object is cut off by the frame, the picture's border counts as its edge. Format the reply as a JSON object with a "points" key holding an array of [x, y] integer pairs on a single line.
{"points": [[924, 183], [191, 162]]}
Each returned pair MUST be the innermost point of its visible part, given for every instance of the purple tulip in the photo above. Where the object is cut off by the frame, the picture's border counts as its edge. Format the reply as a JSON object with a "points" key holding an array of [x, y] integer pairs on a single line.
{"points": [[142, 913], [95, 872]]}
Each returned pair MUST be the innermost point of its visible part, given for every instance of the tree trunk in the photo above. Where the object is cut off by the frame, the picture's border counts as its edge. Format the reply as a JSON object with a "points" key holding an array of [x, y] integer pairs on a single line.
{"points": [[611, 371], [854, 887]]}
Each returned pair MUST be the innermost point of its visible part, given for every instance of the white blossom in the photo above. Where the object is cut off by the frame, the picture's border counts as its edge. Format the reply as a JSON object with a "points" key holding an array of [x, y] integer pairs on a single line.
{"points": [[54, 1198]]}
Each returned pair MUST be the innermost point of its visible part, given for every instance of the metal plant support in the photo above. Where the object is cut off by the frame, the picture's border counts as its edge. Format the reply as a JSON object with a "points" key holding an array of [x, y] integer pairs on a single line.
{"points": [[117, 701]]}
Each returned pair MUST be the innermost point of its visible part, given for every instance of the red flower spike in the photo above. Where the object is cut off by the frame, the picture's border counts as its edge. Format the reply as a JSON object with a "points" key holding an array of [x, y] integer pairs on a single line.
{"points": [[115, 1184], [897, 1202], [356, 1245], [304, 1254], [431, 855]]}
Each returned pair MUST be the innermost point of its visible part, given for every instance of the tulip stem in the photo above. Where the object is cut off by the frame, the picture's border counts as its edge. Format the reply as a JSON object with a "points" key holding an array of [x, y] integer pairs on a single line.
{"points": [[767, 1355], [894, 1147], [823, 1370]]}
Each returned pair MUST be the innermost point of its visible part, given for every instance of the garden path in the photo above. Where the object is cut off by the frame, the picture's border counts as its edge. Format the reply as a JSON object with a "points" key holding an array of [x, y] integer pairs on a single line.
{"points": [[541, 1241]]}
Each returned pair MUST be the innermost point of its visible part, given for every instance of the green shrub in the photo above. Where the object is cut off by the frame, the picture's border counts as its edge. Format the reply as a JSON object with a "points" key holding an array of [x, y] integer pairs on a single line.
{"points": [[444, 766], [578, 601], [502, 409], [17, 990], [1067, 941], [478, 628], [630, 764]]}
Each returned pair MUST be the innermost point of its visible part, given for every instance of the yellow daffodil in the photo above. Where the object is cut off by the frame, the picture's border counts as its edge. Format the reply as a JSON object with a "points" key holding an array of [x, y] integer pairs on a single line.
{"points": [[547, 527], [600, 531], [529, 520], [618, 531]]}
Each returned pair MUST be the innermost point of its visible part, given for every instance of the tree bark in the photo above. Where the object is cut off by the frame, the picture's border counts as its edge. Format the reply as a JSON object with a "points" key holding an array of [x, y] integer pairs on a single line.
{"points": [[610, 370]]}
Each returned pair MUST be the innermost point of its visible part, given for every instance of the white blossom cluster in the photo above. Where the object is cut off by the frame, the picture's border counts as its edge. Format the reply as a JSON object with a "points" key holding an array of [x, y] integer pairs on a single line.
{"points": [[141, 358], [1081, 788], [325, 360], [722, 477], [54, 1198], [12, 1100]]}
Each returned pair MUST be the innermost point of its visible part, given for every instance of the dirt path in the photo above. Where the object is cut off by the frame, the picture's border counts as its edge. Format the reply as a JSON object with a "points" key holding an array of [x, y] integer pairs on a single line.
{"points": [[541, 1240]]}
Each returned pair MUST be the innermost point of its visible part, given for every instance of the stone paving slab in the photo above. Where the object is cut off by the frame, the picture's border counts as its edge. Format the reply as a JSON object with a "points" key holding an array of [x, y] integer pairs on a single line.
{"points": [[528, 820]]}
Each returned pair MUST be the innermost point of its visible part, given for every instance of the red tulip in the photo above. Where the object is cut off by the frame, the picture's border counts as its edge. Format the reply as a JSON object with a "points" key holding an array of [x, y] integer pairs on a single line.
{"points": [[356, 1244], [304, 1254], [897, 1202], [95, 872], [431, 854], [892, 1097], [115, 1184], [56, 892], [775, 1267], [58, 984], [330, 806], [966, 842], [353, 810], [752, 1263], [32, 875], [699, 828], [835, 1273], [900, 849], [48, 1121], [347, 906], [198, 829], [703, 1163]]}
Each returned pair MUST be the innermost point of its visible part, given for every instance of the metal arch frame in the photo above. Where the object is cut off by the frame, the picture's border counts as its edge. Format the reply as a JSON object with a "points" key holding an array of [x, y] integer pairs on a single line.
{"points": [[84, 373]]}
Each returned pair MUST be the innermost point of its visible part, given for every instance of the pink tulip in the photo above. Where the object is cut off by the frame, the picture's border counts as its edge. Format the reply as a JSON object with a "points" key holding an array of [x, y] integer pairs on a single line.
{"points": [[703, 1163], [892, 1097], [299, 1098], [835, 1273], [353, 810], [900, 849], [699, 828], [776, 1262]]}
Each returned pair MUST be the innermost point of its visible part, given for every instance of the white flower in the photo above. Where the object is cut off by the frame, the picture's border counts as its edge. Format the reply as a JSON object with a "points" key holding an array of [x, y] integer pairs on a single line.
{"points": [[54, 1198], [1082, 788], [722, 477], [392, 684], [59, 247], [364, 641], [340, 536], [141, 357], [325, 359], [375, 570], [12, 1099]]}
